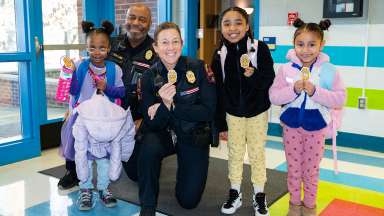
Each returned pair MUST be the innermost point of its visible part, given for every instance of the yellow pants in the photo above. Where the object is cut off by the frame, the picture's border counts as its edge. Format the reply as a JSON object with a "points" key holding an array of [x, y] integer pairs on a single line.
{"points": [[251, 133]]}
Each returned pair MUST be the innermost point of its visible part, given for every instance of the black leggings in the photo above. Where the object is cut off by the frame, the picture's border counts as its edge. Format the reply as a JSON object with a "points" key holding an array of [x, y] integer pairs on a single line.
{"points": [[191, 172]]}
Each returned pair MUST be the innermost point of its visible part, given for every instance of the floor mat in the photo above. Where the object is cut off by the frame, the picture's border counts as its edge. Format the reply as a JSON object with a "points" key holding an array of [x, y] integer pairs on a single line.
{"points": [[214, 195]]}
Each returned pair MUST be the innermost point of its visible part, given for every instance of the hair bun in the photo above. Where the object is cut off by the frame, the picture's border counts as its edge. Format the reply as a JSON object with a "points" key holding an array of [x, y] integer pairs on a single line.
{"points": [[107, 27], [324, 24], [298, 23], [87, 26]]}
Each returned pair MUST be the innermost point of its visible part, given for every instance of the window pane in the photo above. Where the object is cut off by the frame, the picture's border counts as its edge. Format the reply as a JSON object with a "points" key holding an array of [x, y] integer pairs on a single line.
{"points": [[55, 109], [62, 25], [178, 15], [7, 26], [62, 21], [9, 101]]}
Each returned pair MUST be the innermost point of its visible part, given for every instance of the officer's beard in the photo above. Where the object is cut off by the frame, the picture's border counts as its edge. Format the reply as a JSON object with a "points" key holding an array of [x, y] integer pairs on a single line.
{"points": [[136, 37]]}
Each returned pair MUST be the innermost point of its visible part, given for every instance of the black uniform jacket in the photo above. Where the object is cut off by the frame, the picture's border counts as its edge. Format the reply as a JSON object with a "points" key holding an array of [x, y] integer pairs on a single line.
{"points": [[239, 95], [133, 61], [194, 102]]}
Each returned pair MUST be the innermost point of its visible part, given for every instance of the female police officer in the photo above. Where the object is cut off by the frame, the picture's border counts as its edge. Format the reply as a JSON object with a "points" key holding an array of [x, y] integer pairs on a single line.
{"points": [[178, 99]]}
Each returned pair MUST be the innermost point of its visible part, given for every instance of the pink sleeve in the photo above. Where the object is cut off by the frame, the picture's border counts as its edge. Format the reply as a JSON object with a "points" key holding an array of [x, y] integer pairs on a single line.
{"points": [[281, 91], [334, 98]]}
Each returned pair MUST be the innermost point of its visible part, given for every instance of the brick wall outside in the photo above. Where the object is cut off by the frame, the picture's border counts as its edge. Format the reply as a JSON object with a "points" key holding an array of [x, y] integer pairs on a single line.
{"points": [[121, 7], [9, 88]]}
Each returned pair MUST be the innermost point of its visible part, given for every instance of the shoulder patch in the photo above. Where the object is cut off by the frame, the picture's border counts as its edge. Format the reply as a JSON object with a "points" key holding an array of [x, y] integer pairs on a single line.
{"points": [[209, 74]]}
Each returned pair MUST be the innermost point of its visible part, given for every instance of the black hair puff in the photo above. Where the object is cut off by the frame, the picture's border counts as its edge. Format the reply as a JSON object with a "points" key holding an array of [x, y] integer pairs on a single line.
{"points": [[87, 26], [298, 23], [324, 24], [107, 27]]}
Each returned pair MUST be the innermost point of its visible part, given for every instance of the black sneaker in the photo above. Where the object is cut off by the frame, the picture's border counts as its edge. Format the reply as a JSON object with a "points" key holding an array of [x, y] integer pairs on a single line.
{"points": [[260, 205], [147, 211], [85, 202], [68, 181], [107, 198], [233, 203]]}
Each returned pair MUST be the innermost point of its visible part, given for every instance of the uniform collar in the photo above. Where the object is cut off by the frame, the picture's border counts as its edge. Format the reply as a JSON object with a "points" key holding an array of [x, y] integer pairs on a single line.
{"points": [[146, 44], [181, 65]]}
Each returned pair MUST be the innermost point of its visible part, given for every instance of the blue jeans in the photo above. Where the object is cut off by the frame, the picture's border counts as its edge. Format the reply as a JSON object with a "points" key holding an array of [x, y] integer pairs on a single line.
{"points": [[102, 175]]}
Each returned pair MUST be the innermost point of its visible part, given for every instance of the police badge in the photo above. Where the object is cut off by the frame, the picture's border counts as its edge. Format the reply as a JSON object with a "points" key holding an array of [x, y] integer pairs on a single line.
{"points": [[190, 77], [148, 54], [172, 76]]}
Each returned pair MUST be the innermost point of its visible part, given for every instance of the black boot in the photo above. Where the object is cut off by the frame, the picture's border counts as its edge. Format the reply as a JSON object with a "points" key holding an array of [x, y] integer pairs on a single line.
{"points": [[68, 181]]}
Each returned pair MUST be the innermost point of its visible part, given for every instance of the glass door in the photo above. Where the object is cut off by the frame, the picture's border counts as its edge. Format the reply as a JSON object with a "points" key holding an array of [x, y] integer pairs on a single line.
{"points": [[19, 138]]}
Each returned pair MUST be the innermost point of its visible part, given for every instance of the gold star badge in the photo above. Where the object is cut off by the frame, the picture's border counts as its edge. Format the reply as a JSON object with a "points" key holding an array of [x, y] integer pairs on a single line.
{"points": [[148, 54], [190, 77]]}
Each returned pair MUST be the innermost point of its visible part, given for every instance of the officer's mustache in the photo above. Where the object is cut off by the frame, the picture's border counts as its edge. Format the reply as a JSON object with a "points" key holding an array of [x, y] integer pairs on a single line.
{"points": [[140, 28]]}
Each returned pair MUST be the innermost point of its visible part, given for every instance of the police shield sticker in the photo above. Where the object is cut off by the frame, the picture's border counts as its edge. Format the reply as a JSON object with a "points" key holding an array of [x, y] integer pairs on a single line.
{"points": [[172, 76], [244, 61], [148, 54], [305, 73], [190, 77]]}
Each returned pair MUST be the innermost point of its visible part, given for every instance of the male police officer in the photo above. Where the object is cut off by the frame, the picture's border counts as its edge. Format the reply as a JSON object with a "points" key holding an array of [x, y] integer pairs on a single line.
{"points": [[133, 52]]}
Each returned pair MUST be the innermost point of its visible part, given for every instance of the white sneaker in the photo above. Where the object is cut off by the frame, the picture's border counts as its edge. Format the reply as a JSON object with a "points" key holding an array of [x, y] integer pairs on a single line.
{"points": [[233, 203], [260, 205]]}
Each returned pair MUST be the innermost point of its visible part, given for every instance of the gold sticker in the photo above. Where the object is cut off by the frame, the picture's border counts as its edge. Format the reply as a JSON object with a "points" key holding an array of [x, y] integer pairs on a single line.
{"points": [[244, 61], [172, 76], [68, 63], [305, 73], [190, 77], [148, 54]]}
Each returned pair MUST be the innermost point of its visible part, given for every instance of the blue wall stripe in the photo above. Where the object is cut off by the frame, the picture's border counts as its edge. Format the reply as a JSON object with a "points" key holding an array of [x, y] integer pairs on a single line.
{"points": [[375, 56], [371, 143], [353, 180], [341, 155], [340, 55], [344, 55]]}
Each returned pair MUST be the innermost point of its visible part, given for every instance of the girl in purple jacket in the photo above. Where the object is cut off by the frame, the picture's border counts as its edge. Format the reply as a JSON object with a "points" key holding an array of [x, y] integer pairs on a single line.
{"points": [[308, 87], [102, 131]]}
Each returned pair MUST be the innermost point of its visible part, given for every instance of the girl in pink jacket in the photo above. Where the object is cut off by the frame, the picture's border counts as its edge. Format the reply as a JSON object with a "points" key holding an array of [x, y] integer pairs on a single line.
{"points": [[308, 87]]}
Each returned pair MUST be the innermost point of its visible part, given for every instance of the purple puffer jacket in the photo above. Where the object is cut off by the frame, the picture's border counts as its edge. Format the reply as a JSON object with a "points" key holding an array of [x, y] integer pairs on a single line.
{"points": [[102, 129]]}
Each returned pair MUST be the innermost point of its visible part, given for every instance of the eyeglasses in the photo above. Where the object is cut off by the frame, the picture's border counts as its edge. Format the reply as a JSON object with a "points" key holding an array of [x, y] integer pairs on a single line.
{"points": [[92, 50]]}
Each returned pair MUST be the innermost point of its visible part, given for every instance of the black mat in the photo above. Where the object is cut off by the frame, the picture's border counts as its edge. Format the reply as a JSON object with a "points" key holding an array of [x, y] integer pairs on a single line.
{"points": [[214, 195]]}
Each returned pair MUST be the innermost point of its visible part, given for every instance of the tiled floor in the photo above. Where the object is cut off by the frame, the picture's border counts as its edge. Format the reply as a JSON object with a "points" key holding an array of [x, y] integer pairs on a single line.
{"points": [[24, 191]]}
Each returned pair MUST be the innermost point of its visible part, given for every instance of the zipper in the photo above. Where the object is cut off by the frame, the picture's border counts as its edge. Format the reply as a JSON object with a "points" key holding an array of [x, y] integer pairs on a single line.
{"points": [[241, 101]]}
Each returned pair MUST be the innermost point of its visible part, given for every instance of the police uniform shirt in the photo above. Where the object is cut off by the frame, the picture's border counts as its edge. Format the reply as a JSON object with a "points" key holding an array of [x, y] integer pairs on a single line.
{"points": [[134, 61], [195, 98]]}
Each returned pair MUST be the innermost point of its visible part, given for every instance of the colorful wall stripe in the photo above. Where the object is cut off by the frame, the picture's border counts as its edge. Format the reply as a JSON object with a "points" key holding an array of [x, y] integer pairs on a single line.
{"points": [[374, 98], [340, 55]]}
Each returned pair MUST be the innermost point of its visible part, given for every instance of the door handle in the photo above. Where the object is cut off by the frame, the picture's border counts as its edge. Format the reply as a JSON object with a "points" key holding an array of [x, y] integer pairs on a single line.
{"points": [[38, 46]]}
